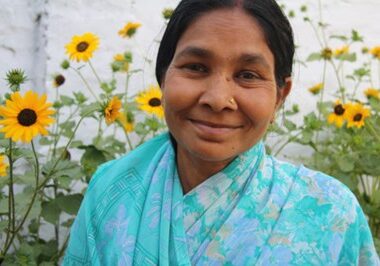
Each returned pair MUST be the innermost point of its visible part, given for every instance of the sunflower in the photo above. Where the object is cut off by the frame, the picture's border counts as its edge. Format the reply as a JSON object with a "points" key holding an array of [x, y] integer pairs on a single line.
{"points": [[150, 101], [375, 51], [25, 117], [339, 115], [372, 93], [58, 80], [316, 88], [342, 51], [112, 110], [121, 62], [81, 47], [3, 166], [126, 121], [356, 114], [326, 53], [129, 29]]}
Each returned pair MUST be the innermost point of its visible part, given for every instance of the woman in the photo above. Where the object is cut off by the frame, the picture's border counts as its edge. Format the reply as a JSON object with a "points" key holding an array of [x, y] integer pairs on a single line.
{"points": [[207, 194]]}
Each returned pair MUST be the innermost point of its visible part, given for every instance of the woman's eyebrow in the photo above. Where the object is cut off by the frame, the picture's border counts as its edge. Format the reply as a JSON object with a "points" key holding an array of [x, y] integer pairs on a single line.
{"points": [[194, 51], [256, 59]]}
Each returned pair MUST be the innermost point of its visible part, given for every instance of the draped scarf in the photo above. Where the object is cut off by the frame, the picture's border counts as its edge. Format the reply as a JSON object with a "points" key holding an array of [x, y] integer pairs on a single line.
{"points": [[134, 213]]}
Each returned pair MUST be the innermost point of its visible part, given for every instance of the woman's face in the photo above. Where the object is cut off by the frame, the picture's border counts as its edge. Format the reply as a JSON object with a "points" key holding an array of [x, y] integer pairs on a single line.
{"points": [[222, 55]]}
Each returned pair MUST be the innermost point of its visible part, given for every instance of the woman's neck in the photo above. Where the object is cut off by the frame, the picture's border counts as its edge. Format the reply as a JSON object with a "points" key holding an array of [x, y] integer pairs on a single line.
{"points": [[193, 170]]}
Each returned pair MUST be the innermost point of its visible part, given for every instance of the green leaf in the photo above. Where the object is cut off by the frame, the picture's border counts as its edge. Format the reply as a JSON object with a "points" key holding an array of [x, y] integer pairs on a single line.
{"points": [[90, 109], [66, 100], [67, 128], [45, 141], [91, 159], [3, 225], [306, 137], [23, 153], [290, 126], [362, 72], [339, 37], [314, 57], [50, 211], [79, 97], [69, 203], [348, 57], [62, 168], [355, 36], [345, 164], [27, 178], [140, 129], [76, 143], [64, 182]]}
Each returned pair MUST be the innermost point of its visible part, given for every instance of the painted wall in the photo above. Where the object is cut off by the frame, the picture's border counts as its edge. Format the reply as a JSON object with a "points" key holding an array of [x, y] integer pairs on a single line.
{"points": [[33, 34]]}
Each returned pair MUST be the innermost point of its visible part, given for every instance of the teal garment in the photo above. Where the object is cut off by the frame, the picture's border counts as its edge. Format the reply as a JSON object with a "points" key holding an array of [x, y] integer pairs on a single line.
{"points": [[256, 211]]}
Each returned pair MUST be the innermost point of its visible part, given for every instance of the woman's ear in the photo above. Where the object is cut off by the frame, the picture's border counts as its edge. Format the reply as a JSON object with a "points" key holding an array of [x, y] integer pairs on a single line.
{"points": [[283, 92]]}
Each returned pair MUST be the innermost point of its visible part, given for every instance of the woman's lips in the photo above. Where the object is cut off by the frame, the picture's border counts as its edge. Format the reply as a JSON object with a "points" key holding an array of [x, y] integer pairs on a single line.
{"points": [[211, 128]]}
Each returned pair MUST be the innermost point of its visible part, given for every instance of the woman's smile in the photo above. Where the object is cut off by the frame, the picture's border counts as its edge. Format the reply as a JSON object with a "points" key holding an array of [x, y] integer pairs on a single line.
{"points": [[213, 130]]}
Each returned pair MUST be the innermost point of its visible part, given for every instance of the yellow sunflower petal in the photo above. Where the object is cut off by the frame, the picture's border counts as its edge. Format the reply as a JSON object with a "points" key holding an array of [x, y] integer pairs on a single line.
{"points": [[24, 117]]}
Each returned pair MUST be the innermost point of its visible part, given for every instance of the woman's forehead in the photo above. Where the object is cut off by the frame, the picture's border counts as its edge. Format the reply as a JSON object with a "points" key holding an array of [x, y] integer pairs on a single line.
{"points": [[229, 32]]}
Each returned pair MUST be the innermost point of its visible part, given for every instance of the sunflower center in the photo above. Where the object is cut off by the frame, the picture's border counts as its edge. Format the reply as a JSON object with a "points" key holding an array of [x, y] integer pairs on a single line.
{"points": [[27, 117], [358, 117], [59, 80], [339, 110], [154, 102], [82, 46]]}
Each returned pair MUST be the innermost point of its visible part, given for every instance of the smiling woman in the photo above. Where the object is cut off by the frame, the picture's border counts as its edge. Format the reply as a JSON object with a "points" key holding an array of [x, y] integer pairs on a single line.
{"points": [[206, 193]]}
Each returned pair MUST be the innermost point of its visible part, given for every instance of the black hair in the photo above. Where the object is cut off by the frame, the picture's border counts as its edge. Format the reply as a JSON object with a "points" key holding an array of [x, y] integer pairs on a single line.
{"points": [[275, 25]]}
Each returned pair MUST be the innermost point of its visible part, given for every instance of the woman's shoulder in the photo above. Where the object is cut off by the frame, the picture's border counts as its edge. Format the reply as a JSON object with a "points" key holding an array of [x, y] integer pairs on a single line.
{"points": [[315, 183], [132, 165]]}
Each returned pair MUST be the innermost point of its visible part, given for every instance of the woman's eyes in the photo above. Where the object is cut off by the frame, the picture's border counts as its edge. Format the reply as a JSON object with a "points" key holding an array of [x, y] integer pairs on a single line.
{"points": [[247, 75], [196, 68]]}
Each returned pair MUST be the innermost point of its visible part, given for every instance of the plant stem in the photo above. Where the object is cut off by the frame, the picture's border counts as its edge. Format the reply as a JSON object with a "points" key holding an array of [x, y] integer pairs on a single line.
{"points": [[96, 74], [63, 152], [86, 83], [372, 130], [290, 139], [11, 204], [18, 228]]}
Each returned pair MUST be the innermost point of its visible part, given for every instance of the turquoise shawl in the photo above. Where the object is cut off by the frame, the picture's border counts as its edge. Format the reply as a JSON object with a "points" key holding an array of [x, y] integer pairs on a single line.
{"points": [[256, 211]]}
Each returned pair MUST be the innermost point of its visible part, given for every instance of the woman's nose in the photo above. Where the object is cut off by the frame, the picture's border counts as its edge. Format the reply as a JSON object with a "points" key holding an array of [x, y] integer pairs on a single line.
{"points": [[218, 94]]}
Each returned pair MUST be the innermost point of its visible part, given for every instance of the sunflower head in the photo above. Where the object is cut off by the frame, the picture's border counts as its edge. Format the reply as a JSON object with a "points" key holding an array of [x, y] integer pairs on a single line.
{"points": [[167, 13], [112, 110], [24, 117], [356, 115], [3, 166], [338, 116], [372, 93], [150, 101], [129, 29], [341, 51], [126, 121], [58, 80], [121, 62], [316, 88], [15, 78], [82, 47], [375, 52], [326, 53]]}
